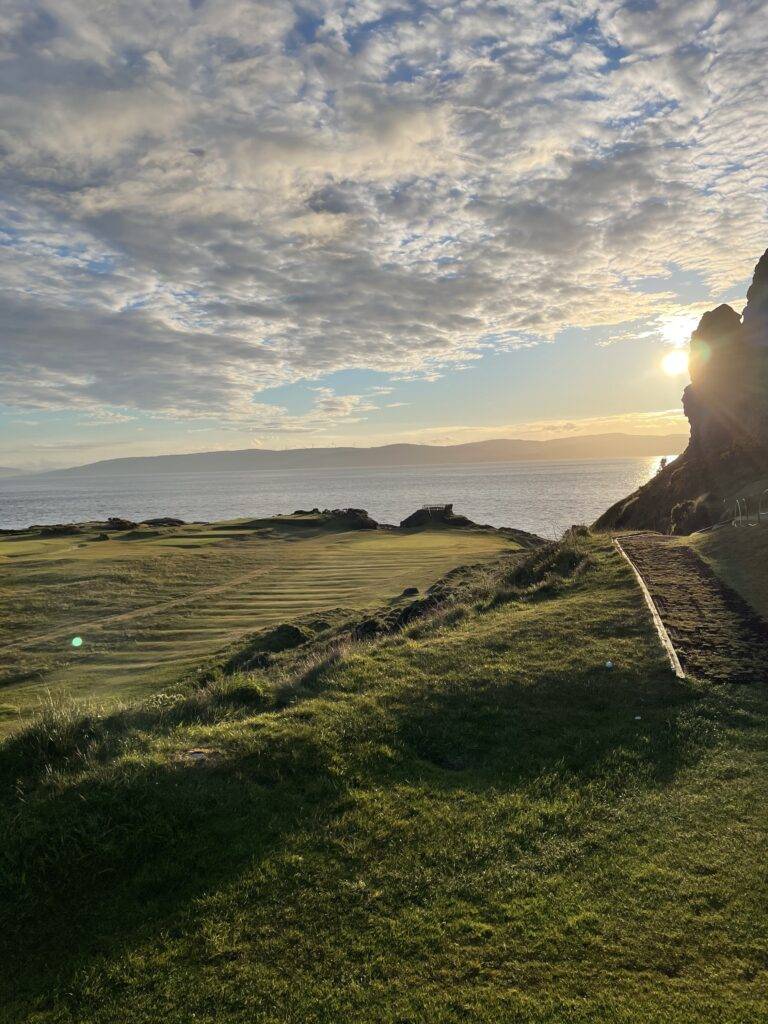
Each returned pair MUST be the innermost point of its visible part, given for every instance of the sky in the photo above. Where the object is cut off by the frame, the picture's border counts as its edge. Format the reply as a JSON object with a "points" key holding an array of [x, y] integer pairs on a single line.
{"points": [[236, 223]]}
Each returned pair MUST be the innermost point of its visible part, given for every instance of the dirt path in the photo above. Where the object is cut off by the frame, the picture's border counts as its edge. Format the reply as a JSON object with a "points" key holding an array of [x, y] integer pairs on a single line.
{"points": [[716, 634]]}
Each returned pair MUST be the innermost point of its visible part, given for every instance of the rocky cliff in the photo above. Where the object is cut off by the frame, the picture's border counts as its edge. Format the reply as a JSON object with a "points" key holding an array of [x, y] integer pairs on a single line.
{"points": [[726, 404]]}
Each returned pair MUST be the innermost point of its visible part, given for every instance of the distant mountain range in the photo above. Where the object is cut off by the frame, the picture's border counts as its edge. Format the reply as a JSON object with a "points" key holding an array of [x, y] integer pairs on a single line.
{"points": [[596, 446]]}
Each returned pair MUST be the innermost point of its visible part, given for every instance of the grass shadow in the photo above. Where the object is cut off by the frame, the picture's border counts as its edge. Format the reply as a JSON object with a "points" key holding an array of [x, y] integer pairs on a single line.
{"points": [[101, 863], [116, 858], [579, 727]]}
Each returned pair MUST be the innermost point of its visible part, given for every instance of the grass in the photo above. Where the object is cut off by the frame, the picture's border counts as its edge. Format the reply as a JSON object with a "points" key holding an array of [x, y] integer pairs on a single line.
{"points": [[469, 820], [152, 605], [740, 556]]}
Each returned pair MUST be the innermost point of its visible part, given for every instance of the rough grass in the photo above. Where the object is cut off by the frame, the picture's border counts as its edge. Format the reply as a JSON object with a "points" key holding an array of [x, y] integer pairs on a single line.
{"points": [[740, 556], [472, 820]]}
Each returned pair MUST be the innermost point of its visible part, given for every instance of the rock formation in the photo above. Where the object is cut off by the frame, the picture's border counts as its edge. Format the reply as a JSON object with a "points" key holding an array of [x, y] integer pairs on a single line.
{"points": [[434, 515], [116, 523], [355, 518], [726, 404]]}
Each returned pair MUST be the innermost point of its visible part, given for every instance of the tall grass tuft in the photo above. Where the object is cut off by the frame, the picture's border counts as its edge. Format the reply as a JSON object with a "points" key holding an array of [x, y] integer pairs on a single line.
{"points": [[61, 735], [546, 570], [304, 677]]}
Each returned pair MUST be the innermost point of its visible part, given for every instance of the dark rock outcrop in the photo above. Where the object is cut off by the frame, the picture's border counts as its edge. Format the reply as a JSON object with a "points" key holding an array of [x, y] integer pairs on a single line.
{"points": [[726, 404], [115, 523], [434, 515], [163, 521], [354, 518]]}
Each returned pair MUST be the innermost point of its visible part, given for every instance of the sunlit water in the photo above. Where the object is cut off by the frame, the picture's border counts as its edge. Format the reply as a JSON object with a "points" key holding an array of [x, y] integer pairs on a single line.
{"points": [[543, 497]]}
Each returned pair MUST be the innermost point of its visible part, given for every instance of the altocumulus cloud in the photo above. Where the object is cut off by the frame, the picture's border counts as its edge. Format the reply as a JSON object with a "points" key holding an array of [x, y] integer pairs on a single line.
{"points": [[209, 197]]}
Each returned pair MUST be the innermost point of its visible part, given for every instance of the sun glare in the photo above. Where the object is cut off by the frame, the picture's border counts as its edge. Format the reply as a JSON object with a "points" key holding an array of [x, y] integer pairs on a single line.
{"points": [[675, 363], [676, 330]]}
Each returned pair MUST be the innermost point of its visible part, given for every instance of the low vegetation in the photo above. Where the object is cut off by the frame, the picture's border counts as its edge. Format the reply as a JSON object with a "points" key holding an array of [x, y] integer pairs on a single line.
{"points": [[508, 809]]}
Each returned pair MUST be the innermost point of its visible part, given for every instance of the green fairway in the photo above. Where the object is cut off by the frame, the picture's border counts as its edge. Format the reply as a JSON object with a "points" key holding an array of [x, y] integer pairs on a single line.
{"points": [[151, 605], [475, 819]]}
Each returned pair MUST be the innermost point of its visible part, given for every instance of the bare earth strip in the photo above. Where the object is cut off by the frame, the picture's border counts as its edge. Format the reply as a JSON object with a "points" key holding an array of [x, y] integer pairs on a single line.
{"points": [[716, 634]]}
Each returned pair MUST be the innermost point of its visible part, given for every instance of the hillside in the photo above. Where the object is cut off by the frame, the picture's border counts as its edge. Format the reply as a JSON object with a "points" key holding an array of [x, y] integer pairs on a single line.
{"points": [[501, 450], [472, 819]]}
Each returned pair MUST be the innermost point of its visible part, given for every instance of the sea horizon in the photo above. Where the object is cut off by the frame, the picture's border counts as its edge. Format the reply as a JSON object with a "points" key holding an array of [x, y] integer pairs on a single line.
{"points": [[544, 496]]}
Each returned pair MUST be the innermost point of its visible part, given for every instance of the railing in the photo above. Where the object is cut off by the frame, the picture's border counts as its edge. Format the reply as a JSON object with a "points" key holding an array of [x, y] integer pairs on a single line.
{"points": [[742, 515]]}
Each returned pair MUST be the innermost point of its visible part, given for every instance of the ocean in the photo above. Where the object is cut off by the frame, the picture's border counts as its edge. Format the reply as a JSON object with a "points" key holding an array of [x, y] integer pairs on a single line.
{"points": [[542, 497]]}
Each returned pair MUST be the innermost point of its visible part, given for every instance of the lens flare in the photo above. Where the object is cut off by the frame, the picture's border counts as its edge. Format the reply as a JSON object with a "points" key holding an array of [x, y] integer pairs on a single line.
{"points": [[77, 641], [675, 363]]}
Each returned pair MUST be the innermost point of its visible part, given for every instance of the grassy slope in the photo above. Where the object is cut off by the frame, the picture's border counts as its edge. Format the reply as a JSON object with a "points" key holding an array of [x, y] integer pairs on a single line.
{"points": [[270, 572], [475, 821], [740, 556]]}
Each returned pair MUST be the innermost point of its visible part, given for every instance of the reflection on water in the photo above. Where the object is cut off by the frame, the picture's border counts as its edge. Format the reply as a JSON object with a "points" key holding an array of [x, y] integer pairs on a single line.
{"points": [[544, 497]]}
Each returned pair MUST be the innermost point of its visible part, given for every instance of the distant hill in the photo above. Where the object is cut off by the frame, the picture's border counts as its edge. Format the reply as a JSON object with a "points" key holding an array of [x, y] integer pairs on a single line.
{"points": [[10, 471], [501, 450]]}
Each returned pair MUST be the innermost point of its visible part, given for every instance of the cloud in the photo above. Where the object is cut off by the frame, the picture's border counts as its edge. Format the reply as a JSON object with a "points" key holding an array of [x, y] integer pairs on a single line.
{"points": [[105, 418], [207, 199], [673, 325]]}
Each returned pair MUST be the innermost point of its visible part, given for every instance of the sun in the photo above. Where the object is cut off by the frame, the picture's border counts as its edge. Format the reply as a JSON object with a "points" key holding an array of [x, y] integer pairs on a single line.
{"points": [[675, 363]]}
